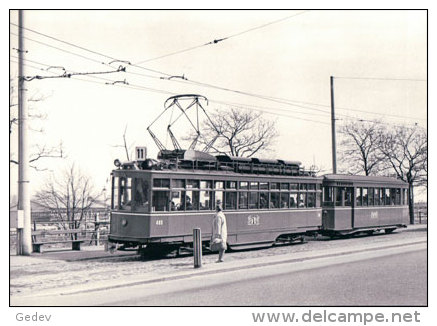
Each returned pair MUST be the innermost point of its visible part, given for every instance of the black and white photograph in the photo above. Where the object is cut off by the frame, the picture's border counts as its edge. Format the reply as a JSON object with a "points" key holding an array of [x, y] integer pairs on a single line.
{"points": [[270, 162]]}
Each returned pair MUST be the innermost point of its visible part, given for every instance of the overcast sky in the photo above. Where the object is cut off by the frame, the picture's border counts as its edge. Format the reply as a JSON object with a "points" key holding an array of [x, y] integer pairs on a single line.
{"points": [[378, 59]]}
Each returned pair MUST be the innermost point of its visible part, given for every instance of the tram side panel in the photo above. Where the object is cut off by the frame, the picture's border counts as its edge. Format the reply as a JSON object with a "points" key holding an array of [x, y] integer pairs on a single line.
{"points": [[337, 218], [126, 227], [380, 216]]}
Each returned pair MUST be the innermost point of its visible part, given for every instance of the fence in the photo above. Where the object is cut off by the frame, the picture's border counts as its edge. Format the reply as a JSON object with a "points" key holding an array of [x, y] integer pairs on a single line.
{"points": [[94, 228]]}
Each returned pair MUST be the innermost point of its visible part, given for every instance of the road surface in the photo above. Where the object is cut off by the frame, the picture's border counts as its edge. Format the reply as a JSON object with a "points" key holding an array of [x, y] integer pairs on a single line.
{"points": [[389, 276]]}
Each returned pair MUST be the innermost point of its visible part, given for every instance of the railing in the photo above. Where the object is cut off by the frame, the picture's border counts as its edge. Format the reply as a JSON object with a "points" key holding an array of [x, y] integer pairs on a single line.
{"points": [[94, 229]]}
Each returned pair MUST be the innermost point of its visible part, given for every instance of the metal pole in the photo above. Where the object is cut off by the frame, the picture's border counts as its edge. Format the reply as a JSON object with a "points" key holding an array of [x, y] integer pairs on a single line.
{"points": [[334, 145], [197, 248], [23, 155]]}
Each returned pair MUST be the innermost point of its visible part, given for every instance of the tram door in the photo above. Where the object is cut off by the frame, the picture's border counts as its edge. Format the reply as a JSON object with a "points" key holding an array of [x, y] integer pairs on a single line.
{"points": [[344, 202]]}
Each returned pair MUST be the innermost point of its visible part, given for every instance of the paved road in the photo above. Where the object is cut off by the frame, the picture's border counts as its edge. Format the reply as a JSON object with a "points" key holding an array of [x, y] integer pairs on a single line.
{"points": [[393, 276]]}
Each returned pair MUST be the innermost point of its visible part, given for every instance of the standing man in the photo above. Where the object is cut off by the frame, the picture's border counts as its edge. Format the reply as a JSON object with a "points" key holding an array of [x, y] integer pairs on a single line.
{"points": [[219, 233]]}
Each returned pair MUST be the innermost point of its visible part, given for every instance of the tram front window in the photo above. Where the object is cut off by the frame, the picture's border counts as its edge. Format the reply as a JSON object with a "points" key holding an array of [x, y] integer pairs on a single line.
{"points": [[141, 198], [125, 193]]}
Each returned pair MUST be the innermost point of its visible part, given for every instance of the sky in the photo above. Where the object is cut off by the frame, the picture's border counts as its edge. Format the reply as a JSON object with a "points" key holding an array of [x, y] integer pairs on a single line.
{"points": [[278, 62]]}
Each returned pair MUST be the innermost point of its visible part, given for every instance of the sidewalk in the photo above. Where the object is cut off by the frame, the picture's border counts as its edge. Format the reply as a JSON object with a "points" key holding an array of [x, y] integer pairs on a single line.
{"points": [[185, 269]]}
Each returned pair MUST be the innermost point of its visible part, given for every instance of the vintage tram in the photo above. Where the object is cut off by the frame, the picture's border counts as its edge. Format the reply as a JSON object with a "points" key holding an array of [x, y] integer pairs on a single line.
{"points": [[156, 204]]}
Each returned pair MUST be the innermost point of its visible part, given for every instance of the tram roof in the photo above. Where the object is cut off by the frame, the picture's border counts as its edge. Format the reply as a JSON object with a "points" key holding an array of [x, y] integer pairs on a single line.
{"points": [[361, 179]]}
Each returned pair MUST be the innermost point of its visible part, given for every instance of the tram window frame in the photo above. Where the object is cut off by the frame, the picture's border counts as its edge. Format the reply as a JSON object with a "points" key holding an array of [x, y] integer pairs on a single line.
{"points": [[348, 196], [302, 200], [275, 200], [365, 196], [253, 204], [230, 185], [294, 186], [285, 186], [264, 204], [404, 196], [387, 197], [359, 197], [125, 193], [254, 185], [141, 199], [161, 183], [192, 200], [311, 187], [311, 199], [243, 200], [219, 184], [319, 198], [178, 183], [205, 184], [339, 196], [377, 196], [392, 196], [328, 196], [233, 204], [285, 200], [243, 185], [192, 184], [303, 187], [275, 185], [398, 200], [294, 196], [263, 186], [115, 198], [203, 205], [371, 194], [178, 205], [155, 198]]}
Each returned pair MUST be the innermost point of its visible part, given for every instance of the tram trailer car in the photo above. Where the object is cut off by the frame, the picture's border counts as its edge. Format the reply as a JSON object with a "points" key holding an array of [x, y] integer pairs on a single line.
{"points": [[159, 203], [356, 204]]}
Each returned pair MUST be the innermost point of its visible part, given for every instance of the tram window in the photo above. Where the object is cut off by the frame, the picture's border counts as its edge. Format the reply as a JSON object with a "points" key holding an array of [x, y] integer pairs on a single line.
{"points": [[328, 196], [275, 186], [311, 186], [231, 184], [339, 196], [243, 200], [263, 185], [377, 199], [359, 196], [319, 199], [293, 200], [115, 188], [275, 200], [161, 183], [231, 200], [284, 200], [192, 183], [398, 197], [387, 196], [381, 196], [404, 197], [244, 185], [285, 186], [125, 193], [205, 200], [192, 200], [348, 195], [219, 185], [141, 198], [365, 197], [205, 184], [178, 183], [371, 196], [293, 186], [302, 186], [392, 196], [302, 200], [311, 199], [254, 185], [218, 198], [177, 202], [253, 200], [160, 201], [263, 200]]}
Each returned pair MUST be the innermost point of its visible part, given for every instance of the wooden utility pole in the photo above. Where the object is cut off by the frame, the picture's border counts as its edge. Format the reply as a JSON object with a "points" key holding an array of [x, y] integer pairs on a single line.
{"points": [[25, 233], [334, 145]]}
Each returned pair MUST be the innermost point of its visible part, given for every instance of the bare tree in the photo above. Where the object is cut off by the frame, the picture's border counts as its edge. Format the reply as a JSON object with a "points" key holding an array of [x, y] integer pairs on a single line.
{"points": [[359, 148], [69, 197], [238, 132], [406, 150], [38, 151]]}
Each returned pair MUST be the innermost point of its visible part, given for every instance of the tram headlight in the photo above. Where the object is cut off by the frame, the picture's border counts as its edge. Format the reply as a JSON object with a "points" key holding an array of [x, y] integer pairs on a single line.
{"points": [[124, 222], [117, 163]]}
